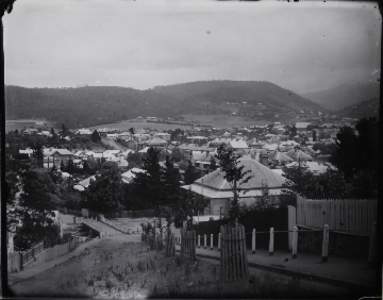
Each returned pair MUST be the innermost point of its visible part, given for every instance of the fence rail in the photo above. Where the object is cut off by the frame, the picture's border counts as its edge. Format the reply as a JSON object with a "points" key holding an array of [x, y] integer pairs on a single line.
{"points": [[17, 261], [353, 216]]}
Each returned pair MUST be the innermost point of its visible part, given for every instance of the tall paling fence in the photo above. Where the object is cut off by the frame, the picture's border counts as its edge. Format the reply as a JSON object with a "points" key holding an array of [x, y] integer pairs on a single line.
{"points": [[233, 256], [17, 261], [347, 216], [188, 244]]}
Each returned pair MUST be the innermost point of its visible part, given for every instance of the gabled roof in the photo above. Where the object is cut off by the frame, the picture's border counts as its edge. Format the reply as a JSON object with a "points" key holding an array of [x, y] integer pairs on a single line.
{"points": [[261, 176], [281, 157], [299, 155], [157, 141]]}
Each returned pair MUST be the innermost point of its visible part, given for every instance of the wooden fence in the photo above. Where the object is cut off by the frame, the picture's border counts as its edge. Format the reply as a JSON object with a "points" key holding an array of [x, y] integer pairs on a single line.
{"points": [[188, 244], [353, 216], [233, 253], [17, 261]]}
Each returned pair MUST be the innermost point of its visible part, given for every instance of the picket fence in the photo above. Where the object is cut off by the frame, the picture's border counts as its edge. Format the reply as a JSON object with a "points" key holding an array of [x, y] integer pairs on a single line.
{"points": [[352, 216]]}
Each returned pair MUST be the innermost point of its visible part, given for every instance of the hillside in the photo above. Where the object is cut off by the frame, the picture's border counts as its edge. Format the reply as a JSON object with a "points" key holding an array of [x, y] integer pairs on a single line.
{"points": [[345, 95], [93, 105], [365, 109]]}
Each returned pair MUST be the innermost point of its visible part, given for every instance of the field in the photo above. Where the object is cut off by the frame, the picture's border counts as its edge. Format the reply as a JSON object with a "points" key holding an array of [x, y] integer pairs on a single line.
{"points": [[222, 121], [20, 124], [217, 121], [125, 125]]}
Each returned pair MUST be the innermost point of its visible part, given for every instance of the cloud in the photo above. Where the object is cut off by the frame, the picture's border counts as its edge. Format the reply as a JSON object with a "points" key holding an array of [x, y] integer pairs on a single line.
{"points": [[144, 43]]}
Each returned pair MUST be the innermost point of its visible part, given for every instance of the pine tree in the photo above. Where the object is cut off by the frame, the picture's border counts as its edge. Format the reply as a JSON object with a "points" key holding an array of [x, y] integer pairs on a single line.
{"points": [[171, 181], [95, 137], [38, 155]]}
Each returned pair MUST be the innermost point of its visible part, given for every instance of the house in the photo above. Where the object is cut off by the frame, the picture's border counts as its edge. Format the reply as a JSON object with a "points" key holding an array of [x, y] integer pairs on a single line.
{"points": [[27, 151], [56, 156], [157, 142], [218, 191], [84, 184], [281, 158], [299, 155], [129, 175], [163, 135], [302, 126]]}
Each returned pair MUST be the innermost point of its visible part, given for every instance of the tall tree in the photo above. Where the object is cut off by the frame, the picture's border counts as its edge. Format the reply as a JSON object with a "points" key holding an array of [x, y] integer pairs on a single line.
{"points": [[64, 130], [38, 155], [95, 137], [35, 209], [104, 194], [234, 173], [171, 182], [147, 186]]}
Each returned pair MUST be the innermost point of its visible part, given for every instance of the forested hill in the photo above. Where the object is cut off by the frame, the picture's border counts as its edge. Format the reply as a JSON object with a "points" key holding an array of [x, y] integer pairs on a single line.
{"points": [[365, 109], [93, 105]]}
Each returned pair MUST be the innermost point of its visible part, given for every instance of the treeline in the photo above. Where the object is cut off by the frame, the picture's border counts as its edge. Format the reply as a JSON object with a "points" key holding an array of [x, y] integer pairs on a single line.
{"points": [[158, 187], [356, 156]]}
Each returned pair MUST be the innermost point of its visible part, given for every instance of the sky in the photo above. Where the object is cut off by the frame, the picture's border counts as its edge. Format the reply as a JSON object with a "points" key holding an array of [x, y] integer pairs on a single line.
{"points": [[302, 46]]}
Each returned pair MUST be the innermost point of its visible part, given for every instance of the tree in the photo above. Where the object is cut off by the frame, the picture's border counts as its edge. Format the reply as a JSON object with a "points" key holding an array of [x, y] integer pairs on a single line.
{"points": [[191, 174], [104, 194], [35, 209], [190, 204], [229, 162], [171, 182], [330, 184], [95, 137], [64, 131], [147, 187], [38, 155], [345, 155]]}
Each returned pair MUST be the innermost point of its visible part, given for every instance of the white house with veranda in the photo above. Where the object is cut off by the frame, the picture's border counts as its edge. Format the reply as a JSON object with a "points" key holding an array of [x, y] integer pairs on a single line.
{"points": [[215, 187]]}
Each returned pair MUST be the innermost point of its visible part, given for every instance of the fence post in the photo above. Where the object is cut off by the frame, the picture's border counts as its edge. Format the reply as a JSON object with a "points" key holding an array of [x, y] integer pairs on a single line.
{"points": [[325, 242], [219, 241], [211, 241], [271, 241], [199, 241], [294, 245], [372, 244], [253, 241], [205, 241]]}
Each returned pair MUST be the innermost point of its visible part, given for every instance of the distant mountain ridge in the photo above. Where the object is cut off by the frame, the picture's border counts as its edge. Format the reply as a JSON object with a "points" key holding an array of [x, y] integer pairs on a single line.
{"points": [[365, 109], [342, 96], [94, 105]]}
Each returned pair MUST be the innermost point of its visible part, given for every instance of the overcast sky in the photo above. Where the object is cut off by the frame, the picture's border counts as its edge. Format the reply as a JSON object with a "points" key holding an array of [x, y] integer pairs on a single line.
{"points": [[304, 46]]}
